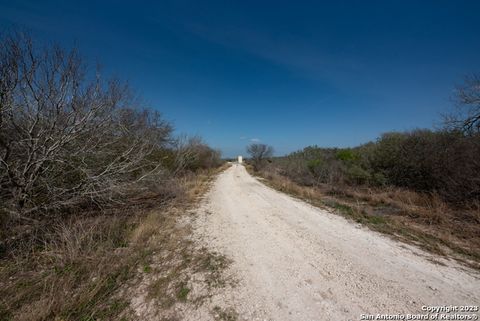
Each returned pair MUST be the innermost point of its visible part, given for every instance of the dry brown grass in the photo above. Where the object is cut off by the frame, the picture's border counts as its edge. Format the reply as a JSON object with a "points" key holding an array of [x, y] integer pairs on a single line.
{"points": [[168, 273], [422, 219], [77, 270], [73, 275]]}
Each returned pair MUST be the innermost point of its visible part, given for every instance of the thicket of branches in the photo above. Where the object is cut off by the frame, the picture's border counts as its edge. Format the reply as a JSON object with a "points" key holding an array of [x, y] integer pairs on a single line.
{"points": [[69, 138], [445, 161], [259, 154], [466, 117]]}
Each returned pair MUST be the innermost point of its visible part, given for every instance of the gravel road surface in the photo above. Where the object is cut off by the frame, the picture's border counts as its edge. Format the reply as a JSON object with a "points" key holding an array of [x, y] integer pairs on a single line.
{"points": [[294, 261]]}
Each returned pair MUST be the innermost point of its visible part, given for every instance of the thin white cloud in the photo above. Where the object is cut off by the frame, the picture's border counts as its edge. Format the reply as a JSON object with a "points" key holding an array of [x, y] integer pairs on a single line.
{"points": [[297, 55], [255, 140]]}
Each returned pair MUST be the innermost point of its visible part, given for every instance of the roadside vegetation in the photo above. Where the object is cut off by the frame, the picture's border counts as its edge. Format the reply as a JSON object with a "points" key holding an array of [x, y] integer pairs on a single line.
{"points": [[422, 186], [92, 185]]}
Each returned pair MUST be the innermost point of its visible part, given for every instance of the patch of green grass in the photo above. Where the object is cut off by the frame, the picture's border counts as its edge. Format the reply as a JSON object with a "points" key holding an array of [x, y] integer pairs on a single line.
{"points": [[345, 209], [375, 220], [183, 293], [147, 268], [213, 264], [228, 314], [341, 208]]}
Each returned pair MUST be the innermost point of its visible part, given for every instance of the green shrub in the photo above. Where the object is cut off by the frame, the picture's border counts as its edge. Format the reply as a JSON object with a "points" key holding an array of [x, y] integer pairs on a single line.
{"points": [[358, 175], [347, 155], [378, 179], [313, 165]]}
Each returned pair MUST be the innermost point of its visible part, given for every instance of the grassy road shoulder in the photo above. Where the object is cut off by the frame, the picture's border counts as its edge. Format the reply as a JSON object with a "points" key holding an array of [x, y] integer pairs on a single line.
{"points": [[404, 215], [90, 264]]}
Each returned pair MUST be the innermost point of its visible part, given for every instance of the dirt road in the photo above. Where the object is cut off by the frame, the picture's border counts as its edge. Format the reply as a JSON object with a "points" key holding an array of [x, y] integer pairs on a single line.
{"points": [[297, 262]]}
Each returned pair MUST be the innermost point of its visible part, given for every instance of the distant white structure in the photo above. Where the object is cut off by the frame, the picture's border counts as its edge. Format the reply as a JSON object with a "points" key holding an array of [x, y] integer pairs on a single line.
{"points": [[240, 159]]}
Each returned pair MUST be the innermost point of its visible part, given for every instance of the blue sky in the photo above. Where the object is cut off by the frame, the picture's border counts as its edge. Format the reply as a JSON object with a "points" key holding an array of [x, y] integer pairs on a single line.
{"points": [[286, 73]]}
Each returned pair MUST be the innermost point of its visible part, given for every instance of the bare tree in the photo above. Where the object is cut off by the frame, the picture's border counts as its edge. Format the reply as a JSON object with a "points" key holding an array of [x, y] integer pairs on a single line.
{"points": [[467, 115], [66, 135], [259, 154]]}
